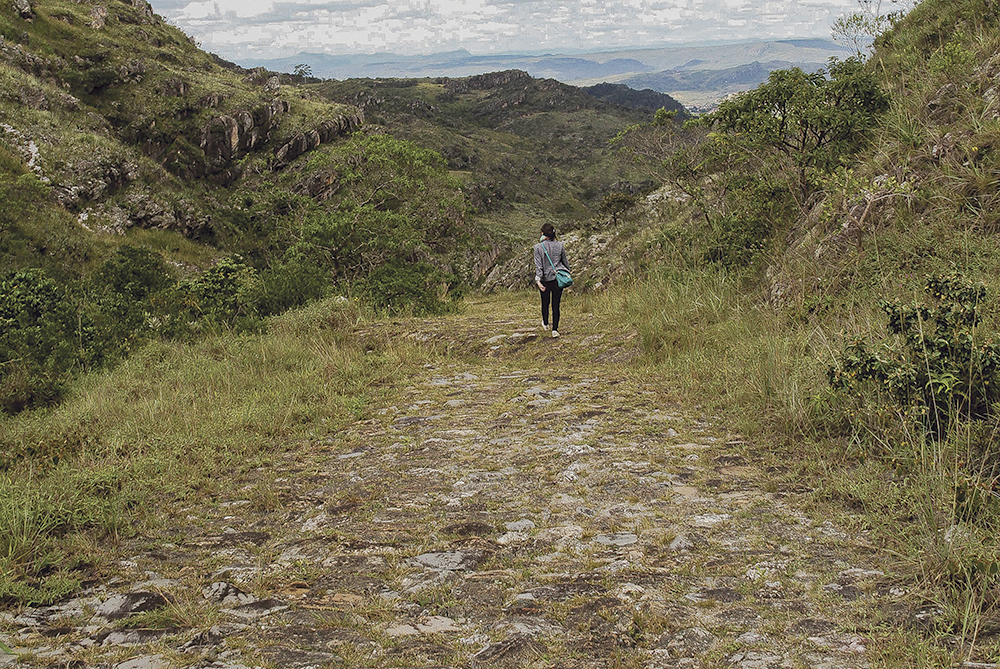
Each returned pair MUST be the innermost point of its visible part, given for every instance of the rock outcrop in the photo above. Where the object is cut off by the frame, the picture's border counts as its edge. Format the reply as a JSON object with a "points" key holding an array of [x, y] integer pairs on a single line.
{"points": [[230, 136], [325, 132], [23, 9], [486, 82], [91, 180]]}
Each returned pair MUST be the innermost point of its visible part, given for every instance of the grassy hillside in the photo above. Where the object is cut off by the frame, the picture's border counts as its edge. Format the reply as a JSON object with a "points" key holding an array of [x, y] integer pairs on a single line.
{"points": [[514, 140], [850, 297]]}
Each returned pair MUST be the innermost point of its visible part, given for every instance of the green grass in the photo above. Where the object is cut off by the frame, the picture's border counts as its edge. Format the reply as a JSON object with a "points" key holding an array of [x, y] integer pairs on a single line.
{"points": [[716, 340], [177, 422]]}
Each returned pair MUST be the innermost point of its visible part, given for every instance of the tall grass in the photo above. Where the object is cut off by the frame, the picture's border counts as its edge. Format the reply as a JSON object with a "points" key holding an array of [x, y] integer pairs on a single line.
{"points": [[932, 505], [723, 345], [176, 422]]}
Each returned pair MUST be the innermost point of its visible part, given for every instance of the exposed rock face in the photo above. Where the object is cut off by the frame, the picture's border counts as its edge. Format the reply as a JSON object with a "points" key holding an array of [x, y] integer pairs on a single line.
{"points": [[485, 82], [98, 17], [92, 180], [174, 87], [325, 132], [144, 211], [144, 12], [23, 9], [230, 136]]}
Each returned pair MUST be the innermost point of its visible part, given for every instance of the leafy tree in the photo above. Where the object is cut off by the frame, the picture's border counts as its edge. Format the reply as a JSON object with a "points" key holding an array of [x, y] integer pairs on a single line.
{"points": [[815, 120], [396, 207], [664, 117], [655, 148], [617, 203]]}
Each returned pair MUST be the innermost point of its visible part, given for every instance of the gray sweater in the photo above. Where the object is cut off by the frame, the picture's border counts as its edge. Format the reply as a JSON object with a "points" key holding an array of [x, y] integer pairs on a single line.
{"points": [[543, 268]]}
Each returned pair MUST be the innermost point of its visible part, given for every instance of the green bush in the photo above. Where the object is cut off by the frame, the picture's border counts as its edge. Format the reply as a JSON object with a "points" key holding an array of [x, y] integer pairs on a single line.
{"points": [[397, 287], [124, 287], [227, 294], [44, 338], [292, 283], [133, 272], [938, 369], [756, 207]]}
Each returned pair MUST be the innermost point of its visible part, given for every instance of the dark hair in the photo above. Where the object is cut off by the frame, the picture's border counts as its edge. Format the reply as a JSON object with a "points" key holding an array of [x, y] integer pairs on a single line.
{"points": [[549, 231]]}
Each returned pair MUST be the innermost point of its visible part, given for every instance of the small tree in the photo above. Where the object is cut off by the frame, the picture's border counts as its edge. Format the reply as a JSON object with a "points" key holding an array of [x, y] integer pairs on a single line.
{"points": [[616, 204], [302, 71], [815, 120], [859, 30]]}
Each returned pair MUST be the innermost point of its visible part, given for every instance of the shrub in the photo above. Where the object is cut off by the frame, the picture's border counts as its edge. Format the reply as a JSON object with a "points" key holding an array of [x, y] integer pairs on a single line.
{"points": [[292, 283], [396, 287], [755, 208], [937, 370], [133, 272], [43, 339], [124, 286], [227, 294]]}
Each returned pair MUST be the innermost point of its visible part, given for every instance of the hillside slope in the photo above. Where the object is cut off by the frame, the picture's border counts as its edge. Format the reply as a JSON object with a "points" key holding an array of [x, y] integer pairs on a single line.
{"points": [[128, 125], [151, 190]]}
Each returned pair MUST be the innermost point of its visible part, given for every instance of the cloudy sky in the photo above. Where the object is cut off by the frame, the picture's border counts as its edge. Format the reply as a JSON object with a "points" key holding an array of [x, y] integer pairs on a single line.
{"points": [[240, 29]]}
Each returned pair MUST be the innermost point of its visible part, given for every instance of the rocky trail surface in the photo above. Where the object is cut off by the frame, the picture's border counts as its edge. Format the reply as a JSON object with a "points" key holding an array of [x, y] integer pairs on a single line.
{"points": [[523, 502]]}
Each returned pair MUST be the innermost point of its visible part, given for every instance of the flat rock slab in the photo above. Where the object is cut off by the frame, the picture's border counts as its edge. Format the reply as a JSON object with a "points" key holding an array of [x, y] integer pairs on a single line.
{"points": [[450, 561], [122, 638], [227, 594], [425, 625], [145, 662], [119, 606], [621, 539], [260, 608]]}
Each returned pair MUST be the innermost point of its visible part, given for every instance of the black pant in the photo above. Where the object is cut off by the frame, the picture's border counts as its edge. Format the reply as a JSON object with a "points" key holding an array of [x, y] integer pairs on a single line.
{"points": [[551, 293]]}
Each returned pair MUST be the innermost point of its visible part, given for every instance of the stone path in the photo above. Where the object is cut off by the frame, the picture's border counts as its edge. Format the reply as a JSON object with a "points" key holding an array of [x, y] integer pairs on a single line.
{"points": [[525, 502]]}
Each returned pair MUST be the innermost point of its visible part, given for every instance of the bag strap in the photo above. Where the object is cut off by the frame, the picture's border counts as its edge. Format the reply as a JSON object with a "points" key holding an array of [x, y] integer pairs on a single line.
{"points": [[548, 256]]}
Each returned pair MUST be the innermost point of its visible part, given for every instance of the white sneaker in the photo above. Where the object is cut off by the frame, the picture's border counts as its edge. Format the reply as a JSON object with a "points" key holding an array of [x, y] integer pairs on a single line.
{"points": [[555, 333], [545, 326]]}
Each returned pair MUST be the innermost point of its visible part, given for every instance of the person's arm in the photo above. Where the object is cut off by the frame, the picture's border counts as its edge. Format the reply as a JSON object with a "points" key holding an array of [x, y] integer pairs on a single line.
{"points": [[563, 259], [538, 269]]}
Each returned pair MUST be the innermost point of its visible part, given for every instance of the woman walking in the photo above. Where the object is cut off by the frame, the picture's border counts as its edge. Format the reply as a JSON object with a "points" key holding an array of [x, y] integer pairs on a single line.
{"points": [[550, 255]]}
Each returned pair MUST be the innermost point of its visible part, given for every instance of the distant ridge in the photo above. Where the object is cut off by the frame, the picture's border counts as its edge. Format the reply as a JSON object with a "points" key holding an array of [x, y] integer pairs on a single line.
{"points": [[749, 75], [628, 97]]}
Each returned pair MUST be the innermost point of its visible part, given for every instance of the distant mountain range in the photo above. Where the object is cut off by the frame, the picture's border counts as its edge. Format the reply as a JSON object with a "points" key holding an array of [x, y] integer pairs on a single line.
{"points": [[697, 76]]}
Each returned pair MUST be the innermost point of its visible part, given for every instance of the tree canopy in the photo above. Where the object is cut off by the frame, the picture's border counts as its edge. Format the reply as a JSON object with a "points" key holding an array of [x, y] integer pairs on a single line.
{"points": [[816, 119]]}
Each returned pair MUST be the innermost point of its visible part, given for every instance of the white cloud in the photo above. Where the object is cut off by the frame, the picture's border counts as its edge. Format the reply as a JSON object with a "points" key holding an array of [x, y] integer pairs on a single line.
{"points": [[245, 28]]}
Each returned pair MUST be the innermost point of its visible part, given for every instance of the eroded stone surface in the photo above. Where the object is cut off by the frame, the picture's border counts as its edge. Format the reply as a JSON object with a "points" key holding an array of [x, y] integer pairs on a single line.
{"points": [[494, 513]]}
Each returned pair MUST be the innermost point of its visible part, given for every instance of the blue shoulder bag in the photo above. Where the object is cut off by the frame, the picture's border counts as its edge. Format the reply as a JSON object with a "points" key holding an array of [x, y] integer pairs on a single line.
{"points": [[563, 278]]}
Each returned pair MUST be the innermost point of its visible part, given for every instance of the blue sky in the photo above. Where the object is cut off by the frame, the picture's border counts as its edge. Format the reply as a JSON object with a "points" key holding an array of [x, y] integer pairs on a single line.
{"points": [[242, 29]]}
